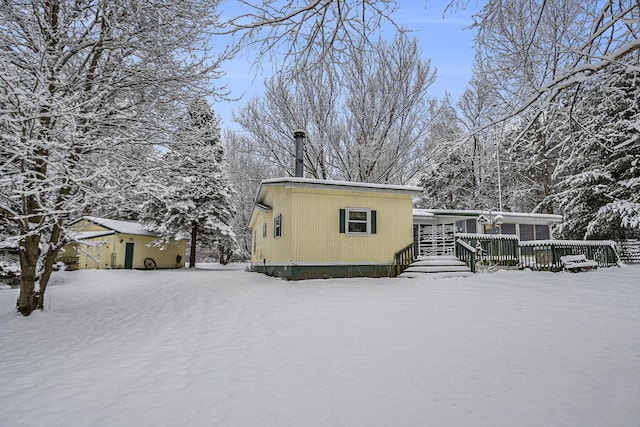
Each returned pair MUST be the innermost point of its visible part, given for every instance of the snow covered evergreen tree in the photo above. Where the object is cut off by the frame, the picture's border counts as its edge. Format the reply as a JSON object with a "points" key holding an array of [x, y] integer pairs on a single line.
{"points": [[598, 185], [448, 178], [191, 197]]}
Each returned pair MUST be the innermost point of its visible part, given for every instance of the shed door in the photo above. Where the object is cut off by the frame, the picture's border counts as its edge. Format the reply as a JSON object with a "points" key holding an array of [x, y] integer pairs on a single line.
{"points": [[128, 255]]}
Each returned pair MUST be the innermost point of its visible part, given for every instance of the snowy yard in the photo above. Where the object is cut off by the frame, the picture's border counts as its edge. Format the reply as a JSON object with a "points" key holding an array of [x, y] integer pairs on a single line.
{"points": [[221, 346]]}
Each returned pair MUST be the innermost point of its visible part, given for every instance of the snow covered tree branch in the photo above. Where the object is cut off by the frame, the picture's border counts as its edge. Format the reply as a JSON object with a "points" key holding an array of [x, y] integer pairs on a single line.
{"points": [[81, 80]]}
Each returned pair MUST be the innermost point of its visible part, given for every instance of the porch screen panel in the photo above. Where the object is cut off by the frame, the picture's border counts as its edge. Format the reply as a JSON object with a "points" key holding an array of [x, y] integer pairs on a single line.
{"points": [[508, 228], [471, 226], [542, 232], [526, 232]]}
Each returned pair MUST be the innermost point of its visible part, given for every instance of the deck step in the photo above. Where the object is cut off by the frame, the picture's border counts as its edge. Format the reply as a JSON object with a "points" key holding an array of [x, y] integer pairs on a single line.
{"points": [[437, 257], [436, 268], [434, 262], [441, 275]]}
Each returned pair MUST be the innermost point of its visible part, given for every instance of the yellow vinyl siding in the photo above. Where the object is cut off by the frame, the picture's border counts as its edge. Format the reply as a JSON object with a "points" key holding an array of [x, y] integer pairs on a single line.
{"points": [[97, 252], [317, 221], [270, 249]]}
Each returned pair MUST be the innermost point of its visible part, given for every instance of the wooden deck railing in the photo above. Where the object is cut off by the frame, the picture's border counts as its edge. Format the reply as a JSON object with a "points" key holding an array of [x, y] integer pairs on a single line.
{"points": [[544, 255], [506, 250], [496, 249], [466, 253], [403, 259]]}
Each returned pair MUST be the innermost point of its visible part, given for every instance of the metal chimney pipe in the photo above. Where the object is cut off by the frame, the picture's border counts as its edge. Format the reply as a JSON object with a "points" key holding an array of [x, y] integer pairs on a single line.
{"points": [[299, 138]]}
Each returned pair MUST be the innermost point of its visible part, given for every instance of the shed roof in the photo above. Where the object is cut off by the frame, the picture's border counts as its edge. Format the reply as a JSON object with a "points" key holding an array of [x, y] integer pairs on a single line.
{"points": [[125, 227]]}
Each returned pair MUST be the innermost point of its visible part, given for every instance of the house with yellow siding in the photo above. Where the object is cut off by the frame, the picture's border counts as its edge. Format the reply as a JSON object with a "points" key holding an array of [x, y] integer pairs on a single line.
{"points": [[100, 243], [308, 228]]}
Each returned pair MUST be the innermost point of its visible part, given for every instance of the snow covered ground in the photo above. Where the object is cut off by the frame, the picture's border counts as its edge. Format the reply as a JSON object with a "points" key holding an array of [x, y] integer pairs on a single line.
{"points": [[225, 347]]}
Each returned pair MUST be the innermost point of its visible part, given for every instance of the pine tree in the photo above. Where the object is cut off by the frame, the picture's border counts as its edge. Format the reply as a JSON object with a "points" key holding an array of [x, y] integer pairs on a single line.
{"points": [[192, 198], [599, 182]]}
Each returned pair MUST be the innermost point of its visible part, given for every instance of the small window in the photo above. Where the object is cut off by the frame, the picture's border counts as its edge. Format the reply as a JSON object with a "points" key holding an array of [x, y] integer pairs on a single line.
{"points": [[277, 226], [264, 230], [255, 237], [357, 221]]}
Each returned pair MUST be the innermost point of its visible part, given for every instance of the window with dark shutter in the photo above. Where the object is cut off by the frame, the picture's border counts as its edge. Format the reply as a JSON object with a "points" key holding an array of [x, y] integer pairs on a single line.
{"points": [[358, 221], [374, 222]]}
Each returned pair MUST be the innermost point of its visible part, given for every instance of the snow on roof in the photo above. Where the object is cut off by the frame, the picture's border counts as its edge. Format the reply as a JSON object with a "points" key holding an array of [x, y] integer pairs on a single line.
{"points": [[127, 227], [507, 216], [310, 182], [568, 243], [423, 213], [487, 236]]}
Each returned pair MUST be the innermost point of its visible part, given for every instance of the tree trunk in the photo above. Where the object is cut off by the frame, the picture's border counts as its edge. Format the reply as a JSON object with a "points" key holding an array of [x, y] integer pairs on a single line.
{"points": [[192, 255], [224, 254], [29, 252], [49, 260]]}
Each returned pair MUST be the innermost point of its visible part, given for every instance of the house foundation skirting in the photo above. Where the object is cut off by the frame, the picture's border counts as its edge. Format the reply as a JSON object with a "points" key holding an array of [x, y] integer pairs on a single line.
{"points": [[302, 272]]}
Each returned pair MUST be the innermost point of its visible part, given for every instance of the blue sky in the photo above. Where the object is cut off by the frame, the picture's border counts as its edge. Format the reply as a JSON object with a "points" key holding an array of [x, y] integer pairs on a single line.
{"points": [[446, 40]]}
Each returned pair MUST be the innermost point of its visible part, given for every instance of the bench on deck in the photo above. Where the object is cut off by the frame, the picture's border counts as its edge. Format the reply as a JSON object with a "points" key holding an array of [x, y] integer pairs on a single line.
{"points": [[575, 263]]}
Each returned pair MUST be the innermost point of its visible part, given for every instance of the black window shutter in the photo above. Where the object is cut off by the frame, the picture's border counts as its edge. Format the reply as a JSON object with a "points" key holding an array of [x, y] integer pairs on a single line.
{"points": [[342, 220], [374, 224]]}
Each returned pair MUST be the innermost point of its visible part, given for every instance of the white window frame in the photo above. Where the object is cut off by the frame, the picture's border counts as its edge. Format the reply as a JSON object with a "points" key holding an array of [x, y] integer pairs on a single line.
{"points": [[277, 226], [348, 221], [264, 230]]}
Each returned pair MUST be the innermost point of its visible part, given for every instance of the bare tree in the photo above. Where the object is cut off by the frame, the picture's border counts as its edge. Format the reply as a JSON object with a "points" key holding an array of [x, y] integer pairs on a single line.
{"points": [[307, 102], [246, 170], [366, 120], [81, 80], [300, 35]]}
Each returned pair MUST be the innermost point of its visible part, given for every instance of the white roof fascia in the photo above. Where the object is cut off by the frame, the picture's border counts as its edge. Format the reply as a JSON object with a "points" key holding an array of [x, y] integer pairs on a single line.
{"points": [[83, 235]]}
